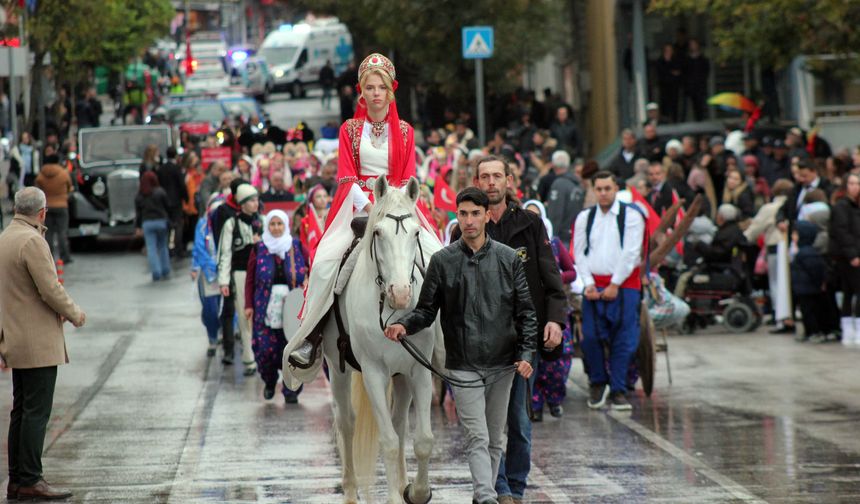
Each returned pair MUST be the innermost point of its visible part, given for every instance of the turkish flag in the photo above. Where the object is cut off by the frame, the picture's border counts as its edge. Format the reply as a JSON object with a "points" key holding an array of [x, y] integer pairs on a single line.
{"points": [[443, 196], [652, 220], [678, 218]]}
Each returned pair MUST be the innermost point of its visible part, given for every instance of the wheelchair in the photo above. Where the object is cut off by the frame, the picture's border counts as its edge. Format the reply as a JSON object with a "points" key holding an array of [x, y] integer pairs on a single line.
{"points": [[719, 290]]}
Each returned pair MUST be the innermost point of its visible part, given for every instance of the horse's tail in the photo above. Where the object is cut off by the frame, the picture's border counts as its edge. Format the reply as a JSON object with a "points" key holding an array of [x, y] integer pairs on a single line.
{"points": [[365, 439]]}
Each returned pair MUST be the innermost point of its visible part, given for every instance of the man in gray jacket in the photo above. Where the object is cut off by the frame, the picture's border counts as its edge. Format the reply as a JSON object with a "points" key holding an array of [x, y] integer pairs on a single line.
{"points": [[490, 330]]}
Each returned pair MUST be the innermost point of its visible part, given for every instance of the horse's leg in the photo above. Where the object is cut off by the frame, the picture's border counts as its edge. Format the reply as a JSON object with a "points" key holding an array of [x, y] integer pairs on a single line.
{"points": [[400, 418], [422, 392], [345, 420], [376, 385]]}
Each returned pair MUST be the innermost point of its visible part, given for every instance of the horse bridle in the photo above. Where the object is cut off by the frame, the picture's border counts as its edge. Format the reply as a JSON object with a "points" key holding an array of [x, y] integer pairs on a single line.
{"points": [[380, 282]]}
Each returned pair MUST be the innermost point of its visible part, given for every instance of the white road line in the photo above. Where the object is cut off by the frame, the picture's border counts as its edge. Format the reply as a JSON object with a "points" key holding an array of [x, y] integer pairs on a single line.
{"points": [[737, 490], [554, 493]]}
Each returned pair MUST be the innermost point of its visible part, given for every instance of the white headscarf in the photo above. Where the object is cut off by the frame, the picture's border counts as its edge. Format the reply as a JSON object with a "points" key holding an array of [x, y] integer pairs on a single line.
{"points": [[278, 246], [448, 230], [542, 209]]}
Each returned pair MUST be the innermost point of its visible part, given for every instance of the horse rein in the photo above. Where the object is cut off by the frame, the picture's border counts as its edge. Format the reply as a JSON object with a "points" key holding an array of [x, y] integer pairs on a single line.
{"points": [[410, 347]]}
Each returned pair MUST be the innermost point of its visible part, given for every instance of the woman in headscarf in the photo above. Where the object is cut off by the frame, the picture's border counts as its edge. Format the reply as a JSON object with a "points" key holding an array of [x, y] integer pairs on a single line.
{"points": [[276, 266], [374, 144], [551, 377], [313, 222]]}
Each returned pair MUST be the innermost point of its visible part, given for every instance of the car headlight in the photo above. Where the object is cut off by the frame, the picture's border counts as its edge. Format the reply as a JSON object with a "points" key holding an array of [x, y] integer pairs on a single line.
{"points": [[279, 73], [99, 188]]}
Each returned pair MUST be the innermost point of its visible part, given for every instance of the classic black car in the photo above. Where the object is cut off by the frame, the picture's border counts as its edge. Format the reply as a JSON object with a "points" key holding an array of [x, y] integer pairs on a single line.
{"points": [[109, 178]]}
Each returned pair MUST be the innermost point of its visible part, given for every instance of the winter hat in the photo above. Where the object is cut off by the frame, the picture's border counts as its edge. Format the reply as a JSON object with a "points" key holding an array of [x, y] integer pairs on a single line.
{"points": [[244, 193], [674, 144], [716, 140]]}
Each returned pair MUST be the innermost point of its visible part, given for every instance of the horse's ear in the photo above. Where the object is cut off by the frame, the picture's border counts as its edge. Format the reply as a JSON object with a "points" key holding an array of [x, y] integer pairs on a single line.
{"points": [[380, 188], [413, 189]]}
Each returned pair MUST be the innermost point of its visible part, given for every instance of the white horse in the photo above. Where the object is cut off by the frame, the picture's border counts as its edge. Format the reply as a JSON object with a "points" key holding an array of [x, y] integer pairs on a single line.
{"points": [[371, 408]]}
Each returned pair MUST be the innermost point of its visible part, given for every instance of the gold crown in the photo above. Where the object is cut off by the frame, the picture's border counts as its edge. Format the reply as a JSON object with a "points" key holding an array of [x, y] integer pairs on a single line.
{"points": [[377, 61]]}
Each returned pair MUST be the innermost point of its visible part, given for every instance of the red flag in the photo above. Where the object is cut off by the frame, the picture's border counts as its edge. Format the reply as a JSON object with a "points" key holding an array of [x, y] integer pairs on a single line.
{"points": [[680, 245], [444, 197], [652, 220], [428, 215]]}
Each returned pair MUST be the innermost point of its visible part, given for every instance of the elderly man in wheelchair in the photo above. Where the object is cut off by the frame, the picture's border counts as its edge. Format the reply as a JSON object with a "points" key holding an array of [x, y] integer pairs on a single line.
{"points": [[718, 285]]}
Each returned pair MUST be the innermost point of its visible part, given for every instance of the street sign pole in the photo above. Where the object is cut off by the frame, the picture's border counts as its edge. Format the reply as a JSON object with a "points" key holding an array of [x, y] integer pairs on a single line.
{"points": [[478, 44], [479, 94]]}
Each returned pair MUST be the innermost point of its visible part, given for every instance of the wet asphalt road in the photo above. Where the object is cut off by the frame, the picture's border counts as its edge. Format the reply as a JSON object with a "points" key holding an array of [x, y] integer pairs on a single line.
{"points": [[141, 415]]}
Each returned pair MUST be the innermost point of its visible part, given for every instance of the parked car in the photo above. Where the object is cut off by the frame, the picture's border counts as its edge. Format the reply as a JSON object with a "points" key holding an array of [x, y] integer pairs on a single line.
{"points": [[109, 178]]}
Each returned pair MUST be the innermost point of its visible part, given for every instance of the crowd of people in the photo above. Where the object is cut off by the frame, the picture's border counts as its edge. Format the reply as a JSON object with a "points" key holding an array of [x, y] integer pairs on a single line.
{"points": [[254, 227]]}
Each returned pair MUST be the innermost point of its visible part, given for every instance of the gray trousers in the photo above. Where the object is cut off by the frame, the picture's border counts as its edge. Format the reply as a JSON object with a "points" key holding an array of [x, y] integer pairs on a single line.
{"points": [[483, 413]]}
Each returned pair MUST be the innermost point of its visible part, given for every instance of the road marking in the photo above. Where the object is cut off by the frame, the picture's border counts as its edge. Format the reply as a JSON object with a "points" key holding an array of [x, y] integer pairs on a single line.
{"points": [[734, 488], [64, 423], [554, 493], [195, 435]]}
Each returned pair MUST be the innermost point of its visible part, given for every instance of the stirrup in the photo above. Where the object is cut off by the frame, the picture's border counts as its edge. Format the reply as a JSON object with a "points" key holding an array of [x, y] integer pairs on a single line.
{"points": [[314, 349]]}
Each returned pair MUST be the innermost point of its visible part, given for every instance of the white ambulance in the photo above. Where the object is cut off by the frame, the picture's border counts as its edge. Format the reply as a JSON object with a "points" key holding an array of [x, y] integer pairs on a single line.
{"points": [[296, 53]]}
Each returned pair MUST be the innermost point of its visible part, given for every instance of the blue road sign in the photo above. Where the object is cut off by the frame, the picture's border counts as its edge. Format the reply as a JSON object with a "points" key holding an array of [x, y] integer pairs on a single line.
{"points": [[477, 42]]}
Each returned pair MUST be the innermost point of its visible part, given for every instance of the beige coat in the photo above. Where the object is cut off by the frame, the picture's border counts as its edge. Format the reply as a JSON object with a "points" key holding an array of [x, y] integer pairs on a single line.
{"points": [[764, 222], [31, 299]]}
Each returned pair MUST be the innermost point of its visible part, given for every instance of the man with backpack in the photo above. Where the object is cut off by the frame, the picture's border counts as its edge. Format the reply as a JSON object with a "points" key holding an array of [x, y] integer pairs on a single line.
{"points": [[607, 246]]}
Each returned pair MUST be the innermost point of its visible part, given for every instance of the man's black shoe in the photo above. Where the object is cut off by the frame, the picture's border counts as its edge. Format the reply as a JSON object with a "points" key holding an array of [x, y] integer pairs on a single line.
{"points": [[597, 396], [537, 415], [618, 401], [783, 330], [268, 392], [227, 360]]}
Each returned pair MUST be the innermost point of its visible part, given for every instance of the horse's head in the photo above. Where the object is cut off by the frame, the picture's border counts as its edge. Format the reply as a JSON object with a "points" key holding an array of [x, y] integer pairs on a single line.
{"points": [[393, 243]]}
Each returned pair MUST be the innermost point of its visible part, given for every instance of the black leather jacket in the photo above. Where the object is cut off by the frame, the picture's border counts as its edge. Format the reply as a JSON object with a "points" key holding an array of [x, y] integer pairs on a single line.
{"points": [[488, 318]]}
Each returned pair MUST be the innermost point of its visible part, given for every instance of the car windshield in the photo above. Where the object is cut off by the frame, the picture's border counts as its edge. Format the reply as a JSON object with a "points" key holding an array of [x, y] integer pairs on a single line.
{"points": [[120, 145], [279, 55], [241, 107], [210, 112]]}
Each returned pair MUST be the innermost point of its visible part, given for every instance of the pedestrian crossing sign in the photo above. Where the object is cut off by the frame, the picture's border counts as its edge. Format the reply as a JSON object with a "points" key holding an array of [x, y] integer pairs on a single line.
{"points": [[477, 42]]}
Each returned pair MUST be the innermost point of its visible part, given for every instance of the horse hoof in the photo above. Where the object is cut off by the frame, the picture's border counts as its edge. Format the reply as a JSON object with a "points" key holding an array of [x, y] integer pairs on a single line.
{"points": [[409, 501]]}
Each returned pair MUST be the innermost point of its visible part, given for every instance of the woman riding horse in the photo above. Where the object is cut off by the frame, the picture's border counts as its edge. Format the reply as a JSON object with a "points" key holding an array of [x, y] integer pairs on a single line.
{"points": [[372, 145]]}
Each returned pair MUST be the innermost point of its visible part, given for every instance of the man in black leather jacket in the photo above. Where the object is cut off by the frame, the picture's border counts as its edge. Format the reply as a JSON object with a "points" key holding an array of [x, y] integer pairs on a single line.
{"points": [[489, 323]]}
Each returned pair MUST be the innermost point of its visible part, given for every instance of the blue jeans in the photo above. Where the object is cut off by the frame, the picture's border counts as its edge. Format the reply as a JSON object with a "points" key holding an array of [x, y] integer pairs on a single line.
{"points": [[155, 236], [210, 314], [516, 463], [615, 324]]}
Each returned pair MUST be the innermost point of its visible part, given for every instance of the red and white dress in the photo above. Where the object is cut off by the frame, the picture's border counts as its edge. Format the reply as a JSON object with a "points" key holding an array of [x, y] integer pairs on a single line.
{"points": [[362, 160]]}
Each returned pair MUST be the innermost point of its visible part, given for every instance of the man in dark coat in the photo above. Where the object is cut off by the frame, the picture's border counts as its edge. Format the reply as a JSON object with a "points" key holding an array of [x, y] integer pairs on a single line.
{"points": [[728, 236], [524, 232], [696, 68], [807, 180], [622, 164], [650, 146], [660, 196], [563, 129], [171, 179]]}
